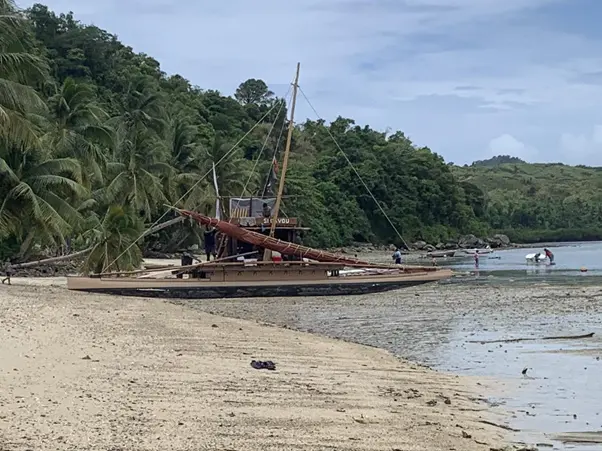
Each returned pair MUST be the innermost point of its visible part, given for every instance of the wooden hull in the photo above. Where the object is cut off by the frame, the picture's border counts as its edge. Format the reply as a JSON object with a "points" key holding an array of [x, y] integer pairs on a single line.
{"points": [[201, 289]]}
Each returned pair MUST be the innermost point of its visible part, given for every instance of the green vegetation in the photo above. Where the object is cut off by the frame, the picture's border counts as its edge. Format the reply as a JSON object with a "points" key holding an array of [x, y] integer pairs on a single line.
{"points": [[497, 160], [540, 202], [95, 140]]}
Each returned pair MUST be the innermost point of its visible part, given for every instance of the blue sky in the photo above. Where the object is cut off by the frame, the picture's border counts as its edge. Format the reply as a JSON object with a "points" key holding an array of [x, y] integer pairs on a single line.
{"points": [[468, 78]]}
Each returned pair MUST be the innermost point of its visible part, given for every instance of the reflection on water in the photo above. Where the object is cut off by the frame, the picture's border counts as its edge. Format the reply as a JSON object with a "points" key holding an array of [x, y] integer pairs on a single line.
{"points": [[561, 392], [569, 259]]}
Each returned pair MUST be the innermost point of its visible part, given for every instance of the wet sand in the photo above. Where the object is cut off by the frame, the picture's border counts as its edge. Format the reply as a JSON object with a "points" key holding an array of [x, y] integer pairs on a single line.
{"points": [[447, 327], [97, 372]]}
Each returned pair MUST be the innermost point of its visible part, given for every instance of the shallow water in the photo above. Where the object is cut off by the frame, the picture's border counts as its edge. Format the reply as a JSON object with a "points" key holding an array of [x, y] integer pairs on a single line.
{"points": [[434, 325], [569, 260], [562, 390]]}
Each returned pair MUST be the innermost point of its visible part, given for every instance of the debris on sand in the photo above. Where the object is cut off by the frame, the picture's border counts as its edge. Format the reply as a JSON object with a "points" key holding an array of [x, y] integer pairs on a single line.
{"points": [[591, 437], [516, 340], [261, 365]]}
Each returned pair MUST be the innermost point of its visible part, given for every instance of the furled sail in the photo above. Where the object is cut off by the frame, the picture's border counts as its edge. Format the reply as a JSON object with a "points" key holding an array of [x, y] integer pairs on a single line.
{"points": [[274, 244]]}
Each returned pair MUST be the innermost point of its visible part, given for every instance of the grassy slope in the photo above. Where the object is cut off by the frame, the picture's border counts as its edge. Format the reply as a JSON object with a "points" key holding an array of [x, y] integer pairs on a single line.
{"points": [[549, 180], [546, 184]]}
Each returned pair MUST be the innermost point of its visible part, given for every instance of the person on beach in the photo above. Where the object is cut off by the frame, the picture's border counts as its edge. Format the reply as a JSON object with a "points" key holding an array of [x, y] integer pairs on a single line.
{"points": [[185, 260], [7, 271], [210, 242], [549, 254], [397, 256], [476, 258]]}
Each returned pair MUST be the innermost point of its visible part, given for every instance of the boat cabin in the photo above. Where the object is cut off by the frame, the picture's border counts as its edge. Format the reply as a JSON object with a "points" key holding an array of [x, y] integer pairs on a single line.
{"points": [[255, 213]]}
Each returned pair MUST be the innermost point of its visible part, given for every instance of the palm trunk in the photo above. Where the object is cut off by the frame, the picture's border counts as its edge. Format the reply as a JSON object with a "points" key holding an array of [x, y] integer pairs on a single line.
{"points": [[48, 261], [162, 226]]}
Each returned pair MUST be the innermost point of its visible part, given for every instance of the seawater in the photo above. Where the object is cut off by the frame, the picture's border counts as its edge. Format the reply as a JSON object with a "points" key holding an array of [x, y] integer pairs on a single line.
{"points": [[446, 327], [570, 260]]}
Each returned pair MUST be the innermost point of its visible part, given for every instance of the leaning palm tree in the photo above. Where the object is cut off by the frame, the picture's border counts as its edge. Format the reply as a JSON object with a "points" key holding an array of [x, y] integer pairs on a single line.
{"points": [[113, 241], [19, 69]]}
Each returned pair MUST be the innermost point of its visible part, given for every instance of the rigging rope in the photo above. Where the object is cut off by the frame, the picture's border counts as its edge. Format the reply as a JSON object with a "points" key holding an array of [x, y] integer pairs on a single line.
{"points": [[267, 182], [192, 187], [265, 142], [355, 170]]}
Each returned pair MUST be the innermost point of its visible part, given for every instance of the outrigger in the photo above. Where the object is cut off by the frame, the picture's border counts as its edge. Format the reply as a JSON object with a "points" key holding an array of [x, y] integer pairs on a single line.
{"points": [[283, 267]]}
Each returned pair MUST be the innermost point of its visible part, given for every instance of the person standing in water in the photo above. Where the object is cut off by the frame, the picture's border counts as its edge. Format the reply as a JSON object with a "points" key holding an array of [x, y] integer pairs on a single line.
{"points": [[549, 254], [476, 258]]}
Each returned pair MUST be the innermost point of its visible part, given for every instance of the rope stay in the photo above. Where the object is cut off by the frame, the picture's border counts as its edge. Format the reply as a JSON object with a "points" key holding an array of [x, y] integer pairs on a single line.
{"points": [[336, 143], [276, 148], [234, 147], [282, 102]]}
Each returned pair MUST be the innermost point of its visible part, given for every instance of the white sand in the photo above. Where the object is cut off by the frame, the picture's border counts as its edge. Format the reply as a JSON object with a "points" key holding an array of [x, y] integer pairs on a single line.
{"points": [[165, 377]]}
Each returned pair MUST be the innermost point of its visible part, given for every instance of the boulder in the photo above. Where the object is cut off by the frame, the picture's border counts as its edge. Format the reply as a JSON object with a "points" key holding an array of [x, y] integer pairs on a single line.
{"points": [[498, 240], [430, 248], [440, 246], [420, 245], [502, 238], [470, 241]]}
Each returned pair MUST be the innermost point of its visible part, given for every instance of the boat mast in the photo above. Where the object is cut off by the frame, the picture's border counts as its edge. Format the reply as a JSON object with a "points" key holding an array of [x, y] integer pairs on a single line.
{"points": [[291, 125]]}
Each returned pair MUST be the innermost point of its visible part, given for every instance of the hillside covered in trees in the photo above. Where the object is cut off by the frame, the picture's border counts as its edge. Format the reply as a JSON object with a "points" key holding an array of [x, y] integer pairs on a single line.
{"points": [[539, 202], [96, 140]]}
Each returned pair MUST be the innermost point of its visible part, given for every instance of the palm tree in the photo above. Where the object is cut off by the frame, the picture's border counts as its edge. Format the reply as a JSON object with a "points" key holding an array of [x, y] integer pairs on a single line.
{"points": [[135, 177], [144, 109], [38, 194], [138, 168], [79, 129], [186, 186], [233, 171], [186, 156], [113, 240], [19, 68]]}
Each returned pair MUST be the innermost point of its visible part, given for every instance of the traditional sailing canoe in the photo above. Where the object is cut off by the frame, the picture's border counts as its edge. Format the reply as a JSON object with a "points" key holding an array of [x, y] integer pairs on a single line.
{"points": [[313, 272]]}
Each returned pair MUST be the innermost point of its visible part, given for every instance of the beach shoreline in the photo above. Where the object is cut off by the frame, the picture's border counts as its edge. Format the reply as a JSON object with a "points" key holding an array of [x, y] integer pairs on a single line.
{"points": [[83, 371]]}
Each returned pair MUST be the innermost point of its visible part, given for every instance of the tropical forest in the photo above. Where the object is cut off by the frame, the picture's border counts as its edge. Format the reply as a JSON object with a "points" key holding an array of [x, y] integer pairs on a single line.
{"points": [[98, 145]]}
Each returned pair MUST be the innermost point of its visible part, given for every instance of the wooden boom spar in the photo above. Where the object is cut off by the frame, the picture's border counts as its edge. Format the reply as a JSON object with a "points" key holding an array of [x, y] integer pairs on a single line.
{"points": [[284, 247], [268, 242]]}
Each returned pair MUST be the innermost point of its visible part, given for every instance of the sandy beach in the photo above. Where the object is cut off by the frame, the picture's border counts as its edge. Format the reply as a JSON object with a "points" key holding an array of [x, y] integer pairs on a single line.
{"points": [[93, 372]]}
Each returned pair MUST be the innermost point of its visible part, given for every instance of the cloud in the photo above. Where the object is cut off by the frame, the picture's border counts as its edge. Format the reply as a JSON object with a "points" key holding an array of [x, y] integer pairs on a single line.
{"points": [[452, 74], [582, 148], [508, 145]]}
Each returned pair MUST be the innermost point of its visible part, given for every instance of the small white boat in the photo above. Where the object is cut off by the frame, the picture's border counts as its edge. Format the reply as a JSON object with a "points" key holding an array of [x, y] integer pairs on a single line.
{"points": [[537, 258]]}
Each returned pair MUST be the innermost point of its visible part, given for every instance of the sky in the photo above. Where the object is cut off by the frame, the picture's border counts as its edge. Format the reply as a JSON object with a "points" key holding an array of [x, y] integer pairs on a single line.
{"points": [[470, 79]]}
